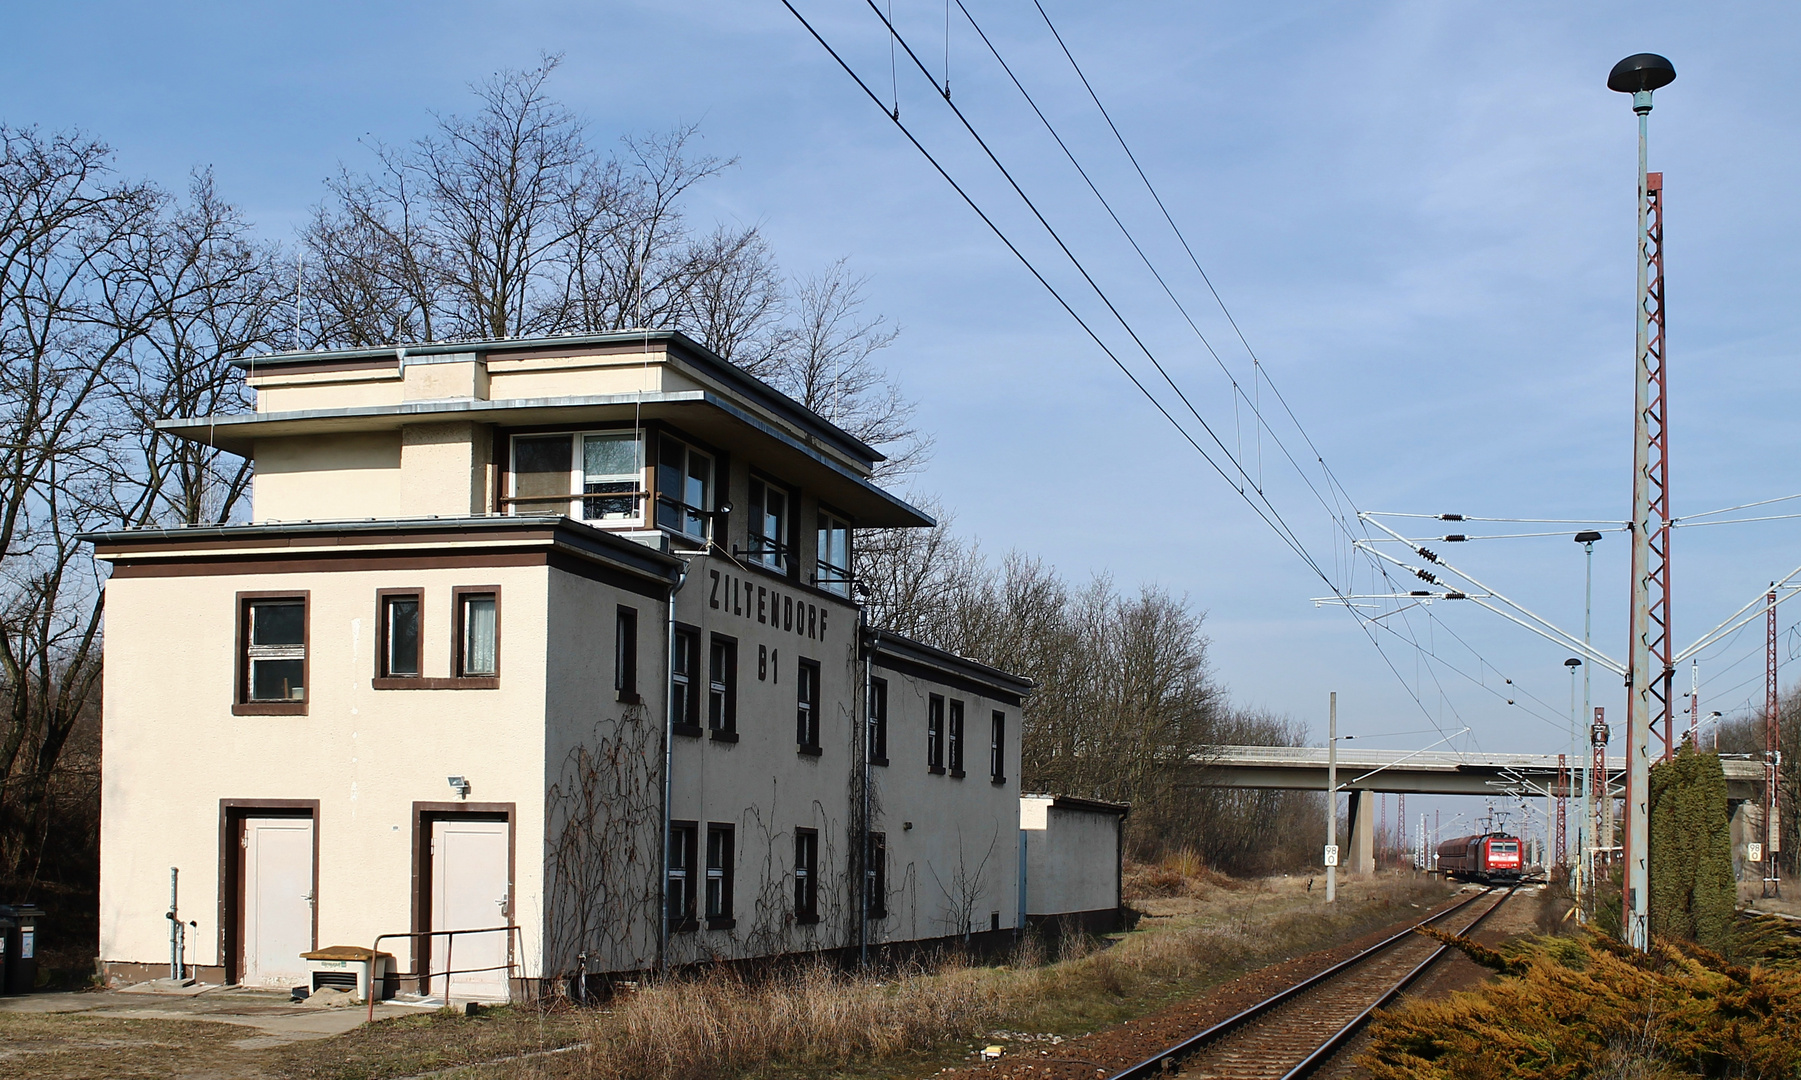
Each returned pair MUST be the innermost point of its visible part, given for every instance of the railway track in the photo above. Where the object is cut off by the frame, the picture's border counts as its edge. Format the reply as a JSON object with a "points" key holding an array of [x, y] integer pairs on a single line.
{"points": [[1293, 1033]]}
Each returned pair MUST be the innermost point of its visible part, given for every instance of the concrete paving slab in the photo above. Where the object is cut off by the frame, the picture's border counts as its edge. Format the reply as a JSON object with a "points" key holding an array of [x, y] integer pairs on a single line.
{"points": [[277, 1019]]}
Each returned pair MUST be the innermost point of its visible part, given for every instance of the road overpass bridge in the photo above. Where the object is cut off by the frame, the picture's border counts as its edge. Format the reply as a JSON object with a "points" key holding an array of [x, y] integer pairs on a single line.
{"points": [[1432, 772]]}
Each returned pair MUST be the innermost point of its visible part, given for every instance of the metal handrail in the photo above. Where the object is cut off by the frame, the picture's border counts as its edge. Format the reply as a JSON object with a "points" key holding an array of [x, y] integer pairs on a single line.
{"points": [[449, 951]]}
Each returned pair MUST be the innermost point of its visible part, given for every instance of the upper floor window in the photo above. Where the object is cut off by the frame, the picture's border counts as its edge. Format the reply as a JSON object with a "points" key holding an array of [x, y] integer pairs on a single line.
{"points": [[956, 738], [590, 476], [833, 573], [625, 653], [997, 747], [684, 487], [806, 706], [935, 733], [684, 701], [878, 721], [722, 686], [768, 525], [273, 673], [478, 633]]}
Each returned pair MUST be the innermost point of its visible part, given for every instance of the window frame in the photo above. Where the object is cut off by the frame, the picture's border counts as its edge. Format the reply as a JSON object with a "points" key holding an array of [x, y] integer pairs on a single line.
{"points": [[839, 585], [877, 722], [806, 707], [625, 654], [687, 718], [935, 734], [997, 747], [678, 501], [954, 755], [758, 544], [683, 838], [384, 672], [242, 705], [875, 877], [459, 654], [806, 875], [724, 873], [724, 727], [573, 506]]}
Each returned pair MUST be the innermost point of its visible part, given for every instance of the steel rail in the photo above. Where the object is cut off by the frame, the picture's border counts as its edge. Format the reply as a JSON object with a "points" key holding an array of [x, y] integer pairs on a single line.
{"points": [[1173, 1056], [1332, 1046]]}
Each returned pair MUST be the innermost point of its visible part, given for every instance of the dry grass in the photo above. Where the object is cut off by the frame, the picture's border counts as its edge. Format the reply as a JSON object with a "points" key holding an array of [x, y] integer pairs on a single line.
{"points": [[814, 1019], [1180, 873]]}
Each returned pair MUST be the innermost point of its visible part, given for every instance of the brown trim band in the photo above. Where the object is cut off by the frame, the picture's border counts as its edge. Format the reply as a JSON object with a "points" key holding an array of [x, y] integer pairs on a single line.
{"points": [[346, 563], [413, 683]]}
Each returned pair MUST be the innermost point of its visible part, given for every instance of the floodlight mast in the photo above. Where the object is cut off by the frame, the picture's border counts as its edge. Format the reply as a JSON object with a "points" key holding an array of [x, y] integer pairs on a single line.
{"points": [[1639, 75]]}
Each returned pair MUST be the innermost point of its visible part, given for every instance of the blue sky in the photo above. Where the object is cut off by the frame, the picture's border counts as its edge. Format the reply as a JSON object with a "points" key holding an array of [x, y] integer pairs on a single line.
{"points": [[1421, 216]]}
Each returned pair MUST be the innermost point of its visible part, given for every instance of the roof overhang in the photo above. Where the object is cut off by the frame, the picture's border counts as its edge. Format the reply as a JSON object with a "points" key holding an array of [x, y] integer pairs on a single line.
{"points": [[706, 415]]}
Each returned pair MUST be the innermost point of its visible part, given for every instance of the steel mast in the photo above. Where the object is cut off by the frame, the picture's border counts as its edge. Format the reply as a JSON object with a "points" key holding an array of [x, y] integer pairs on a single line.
{"points": [[1639, 75]]}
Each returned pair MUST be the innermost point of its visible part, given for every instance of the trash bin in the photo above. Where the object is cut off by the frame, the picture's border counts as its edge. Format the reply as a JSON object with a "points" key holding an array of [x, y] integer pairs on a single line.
{"points": [[21, 947]]}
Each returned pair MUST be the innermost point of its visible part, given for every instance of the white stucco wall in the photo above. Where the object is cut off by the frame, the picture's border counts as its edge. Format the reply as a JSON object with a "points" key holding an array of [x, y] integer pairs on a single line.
{"points": [[1072, 858], [174, 749]]}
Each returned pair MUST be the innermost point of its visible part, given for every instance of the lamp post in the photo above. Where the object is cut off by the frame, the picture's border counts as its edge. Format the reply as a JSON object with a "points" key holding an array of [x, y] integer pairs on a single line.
{"points": [[1639, 75], [1332, 800], [1587, 538]]}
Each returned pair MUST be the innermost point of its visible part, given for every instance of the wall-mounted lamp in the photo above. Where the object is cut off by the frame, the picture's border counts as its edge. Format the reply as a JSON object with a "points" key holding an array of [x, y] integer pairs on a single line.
{"points": [[460, 785]]}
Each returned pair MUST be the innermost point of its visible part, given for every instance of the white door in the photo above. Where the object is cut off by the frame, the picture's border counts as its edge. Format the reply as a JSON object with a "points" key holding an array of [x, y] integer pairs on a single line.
{"points": [[278, 900], [469, 892]]}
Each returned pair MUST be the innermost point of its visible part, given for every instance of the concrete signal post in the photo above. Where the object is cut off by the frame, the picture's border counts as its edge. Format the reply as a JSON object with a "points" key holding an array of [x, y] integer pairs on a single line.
{"points": [[1332, 800]]}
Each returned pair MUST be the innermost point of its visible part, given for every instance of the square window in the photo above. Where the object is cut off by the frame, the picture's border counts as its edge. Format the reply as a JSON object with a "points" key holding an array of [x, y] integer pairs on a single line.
{"points": [[612, 476], [272, 675]]}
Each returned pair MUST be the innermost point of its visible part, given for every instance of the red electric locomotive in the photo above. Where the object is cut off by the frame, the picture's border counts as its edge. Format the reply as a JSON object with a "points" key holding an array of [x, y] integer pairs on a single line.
{"points": [[1487, 858]]}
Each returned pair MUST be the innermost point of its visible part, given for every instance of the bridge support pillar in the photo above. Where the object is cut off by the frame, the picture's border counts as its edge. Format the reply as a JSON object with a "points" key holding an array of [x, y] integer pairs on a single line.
{"points": [[1363, 832]]}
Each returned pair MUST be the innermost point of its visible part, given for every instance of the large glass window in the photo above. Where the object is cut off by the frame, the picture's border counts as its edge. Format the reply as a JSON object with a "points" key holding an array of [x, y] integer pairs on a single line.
{"points": [[833, 573], [612, 473], [684, 487], [768, 525], [591, 476], [275, 650]]}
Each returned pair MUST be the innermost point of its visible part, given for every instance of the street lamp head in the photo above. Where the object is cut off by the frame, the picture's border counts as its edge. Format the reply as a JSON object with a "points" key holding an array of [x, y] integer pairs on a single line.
{"points": [[1572, 663], [1638, 75], [1588, 536]]}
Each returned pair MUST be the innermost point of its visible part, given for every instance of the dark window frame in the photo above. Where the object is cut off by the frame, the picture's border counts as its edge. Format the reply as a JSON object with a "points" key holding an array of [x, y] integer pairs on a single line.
{"points": [[384, 671], [458, 650], [935, 734], [839, 582], [997, 747], [677, 502], [761, 548], [955, 739], [722, 688], [806, 706], [625, 654], [686, 714], [575, 504], [242, 705], [878, 722], [720, 916], [682, 839], [806, 875]]}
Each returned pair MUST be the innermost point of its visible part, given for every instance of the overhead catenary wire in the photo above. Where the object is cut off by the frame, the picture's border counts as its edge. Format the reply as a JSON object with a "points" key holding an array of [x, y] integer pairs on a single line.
{"points": [[1285, 534]]}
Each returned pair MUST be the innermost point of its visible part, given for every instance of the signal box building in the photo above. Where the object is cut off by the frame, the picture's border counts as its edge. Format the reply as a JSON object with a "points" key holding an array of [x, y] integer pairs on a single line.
{"points": [[556, 636]]}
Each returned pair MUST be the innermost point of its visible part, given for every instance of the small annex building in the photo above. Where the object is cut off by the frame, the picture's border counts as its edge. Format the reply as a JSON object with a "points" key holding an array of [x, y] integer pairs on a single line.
{"points": [[1072, 868], [553, 640]]}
